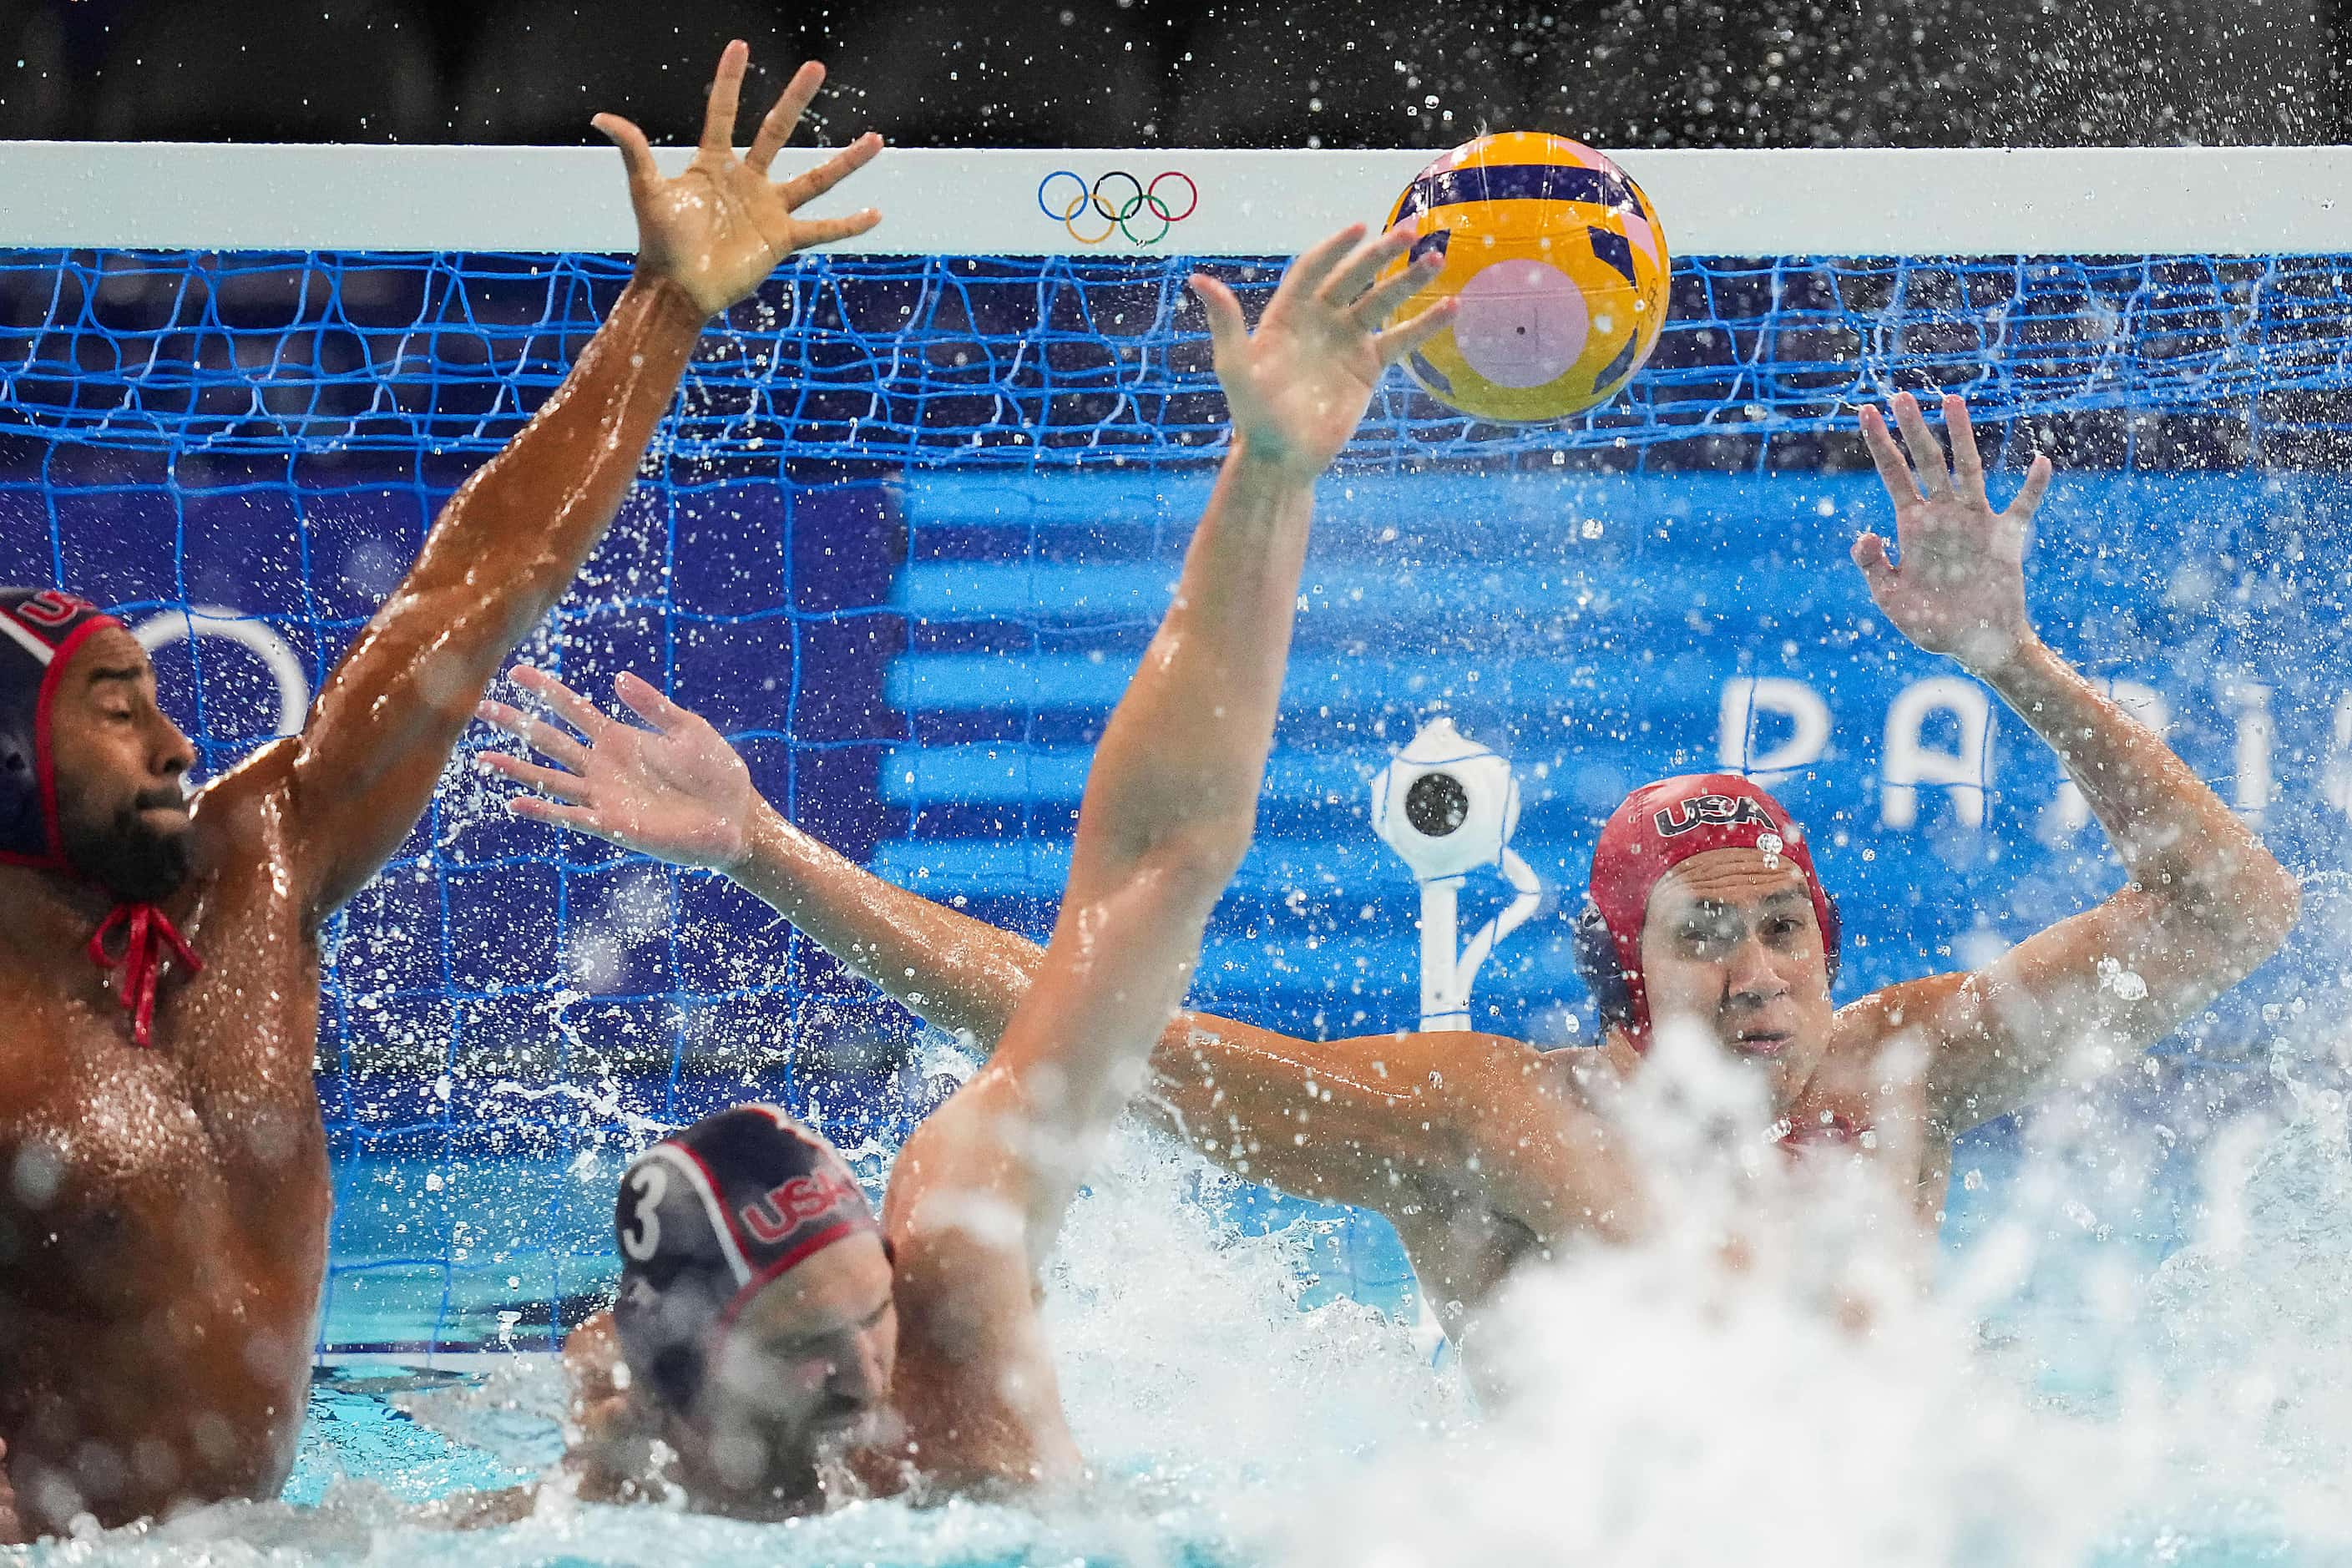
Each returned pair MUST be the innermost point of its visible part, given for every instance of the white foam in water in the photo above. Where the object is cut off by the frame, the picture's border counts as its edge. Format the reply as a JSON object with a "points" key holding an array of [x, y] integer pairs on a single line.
{"points": [[1669, 1410]]}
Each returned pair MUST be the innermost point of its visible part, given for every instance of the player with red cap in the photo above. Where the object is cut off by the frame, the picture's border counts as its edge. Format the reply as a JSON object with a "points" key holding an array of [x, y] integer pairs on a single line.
{"points": [[1658, 827], [163, 1225], [1710, 818], [1706, 916]]}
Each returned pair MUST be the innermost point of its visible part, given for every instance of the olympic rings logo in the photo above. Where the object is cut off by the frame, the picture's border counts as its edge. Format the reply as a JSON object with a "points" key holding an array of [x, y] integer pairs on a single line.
{"points": [[1120, 203]]}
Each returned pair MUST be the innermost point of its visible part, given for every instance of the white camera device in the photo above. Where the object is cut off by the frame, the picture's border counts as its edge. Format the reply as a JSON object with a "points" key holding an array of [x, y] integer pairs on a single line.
{"points": [[1448, 806]]}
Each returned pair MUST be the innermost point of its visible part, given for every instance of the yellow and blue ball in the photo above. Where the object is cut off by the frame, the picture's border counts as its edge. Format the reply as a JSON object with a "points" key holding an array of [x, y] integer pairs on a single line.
{"points": [[1561, 268]]}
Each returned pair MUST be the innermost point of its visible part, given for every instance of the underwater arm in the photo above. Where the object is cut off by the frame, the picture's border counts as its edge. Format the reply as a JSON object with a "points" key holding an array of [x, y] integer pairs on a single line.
{"points": [[2205, 902], [508, 542]]}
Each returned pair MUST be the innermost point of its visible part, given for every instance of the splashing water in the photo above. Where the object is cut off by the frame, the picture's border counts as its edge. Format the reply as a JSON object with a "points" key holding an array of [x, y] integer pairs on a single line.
{"points": [[1812, 1402]]}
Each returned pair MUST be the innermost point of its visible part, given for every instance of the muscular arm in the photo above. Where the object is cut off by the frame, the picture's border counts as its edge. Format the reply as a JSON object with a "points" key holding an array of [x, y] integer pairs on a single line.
{"points": [[979, 1192], [1381, 1114], [2205, 902], [1387, 1122], [1397, 1123], [508, 542], [497, 558], [977, 1196], [1169, 811]]}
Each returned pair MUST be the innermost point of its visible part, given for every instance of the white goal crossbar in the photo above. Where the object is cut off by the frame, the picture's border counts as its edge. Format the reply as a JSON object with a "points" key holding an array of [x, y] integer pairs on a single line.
{"points": [[2127, 201]]}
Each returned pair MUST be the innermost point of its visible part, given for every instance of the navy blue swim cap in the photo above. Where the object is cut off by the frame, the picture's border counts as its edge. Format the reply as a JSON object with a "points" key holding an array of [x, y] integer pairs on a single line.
{"points": [[39, 629], [708, 1216]]}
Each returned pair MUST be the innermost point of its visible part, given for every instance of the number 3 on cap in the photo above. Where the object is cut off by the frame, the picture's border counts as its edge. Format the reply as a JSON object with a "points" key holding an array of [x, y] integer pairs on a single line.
{"points": [[643, 1233]]}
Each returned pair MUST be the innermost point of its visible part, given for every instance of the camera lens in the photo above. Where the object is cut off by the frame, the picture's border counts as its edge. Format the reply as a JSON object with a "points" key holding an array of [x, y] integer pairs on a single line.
{"points": [[1436, 805]]}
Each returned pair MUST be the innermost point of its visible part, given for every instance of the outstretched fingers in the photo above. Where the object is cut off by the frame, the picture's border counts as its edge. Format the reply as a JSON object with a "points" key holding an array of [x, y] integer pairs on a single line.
{"points": [[1316, 262], [1406, 336], [1381, 300], [1360, 266], [783, 117], [1869, 553], [537, 733], [807, 187], [1228, 333], [554, 782], [1934, 473], [579, 818], [645, 699], [1894, 468], [726, 99], [825, 230], [1880, 576], [1966, 465], [573, 708], [2029, 494]]}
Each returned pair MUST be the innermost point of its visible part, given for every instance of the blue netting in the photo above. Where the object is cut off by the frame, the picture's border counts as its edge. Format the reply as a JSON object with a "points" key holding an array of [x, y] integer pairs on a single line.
{"points": [[1061, 361], [907, 532]]}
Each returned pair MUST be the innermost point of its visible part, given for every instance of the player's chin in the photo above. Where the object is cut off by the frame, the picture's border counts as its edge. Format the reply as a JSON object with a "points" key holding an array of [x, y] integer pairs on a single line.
{"points": [[145, 854]]}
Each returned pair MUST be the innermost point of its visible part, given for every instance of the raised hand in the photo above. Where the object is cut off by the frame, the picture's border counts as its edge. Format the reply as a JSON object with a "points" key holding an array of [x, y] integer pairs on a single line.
{"points": [[1960, 587], [720, 228], [1299, 385], [677, 792]]}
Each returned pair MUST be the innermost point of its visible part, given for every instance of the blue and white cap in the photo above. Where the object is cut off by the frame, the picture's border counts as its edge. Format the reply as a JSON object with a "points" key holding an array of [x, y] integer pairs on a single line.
{"points": [[705, 1219]]}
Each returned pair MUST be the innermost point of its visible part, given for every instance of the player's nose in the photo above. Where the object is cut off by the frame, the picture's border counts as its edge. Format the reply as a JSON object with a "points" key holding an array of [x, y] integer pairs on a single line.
{"points": [[1752, 974], [172, 754], [859, 1374]]}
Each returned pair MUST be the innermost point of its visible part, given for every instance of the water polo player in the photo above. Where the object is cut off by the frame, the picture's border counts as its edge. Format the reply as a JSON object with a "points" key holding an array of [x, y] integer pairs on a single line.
{"points": [[162, 1239], [759, 1318], [754, 1332], [1705, 910]]}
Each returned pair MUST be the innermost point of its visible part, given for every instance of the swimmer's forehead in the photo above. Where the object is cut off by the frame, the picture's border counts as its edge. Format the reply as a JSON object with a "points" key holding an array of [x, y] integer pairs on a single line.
{"points": [[836, 1287], [1737, 878], [109, 653]]}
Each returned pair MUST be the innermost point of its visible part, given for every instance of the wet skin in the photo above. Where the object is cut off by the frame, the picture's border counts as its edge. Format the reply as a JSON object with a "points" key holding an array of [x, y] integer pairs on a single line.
{"points": [[979, 1189], [166, 1209], [1731, 946], [162, 1212]]}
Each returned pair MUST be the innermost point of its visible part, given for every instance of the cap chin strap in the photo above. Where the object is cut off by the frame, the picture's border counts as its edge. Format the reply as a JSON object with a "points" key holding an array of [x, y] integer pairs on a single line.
{"points": [[151, 941]]}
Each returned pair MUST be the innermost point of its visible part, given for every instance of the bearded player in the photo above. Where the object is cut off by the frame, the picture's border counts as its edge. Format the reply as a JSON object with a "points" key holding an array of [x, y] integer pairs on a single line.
{"points": [[1704, 911], [163, 1218]]}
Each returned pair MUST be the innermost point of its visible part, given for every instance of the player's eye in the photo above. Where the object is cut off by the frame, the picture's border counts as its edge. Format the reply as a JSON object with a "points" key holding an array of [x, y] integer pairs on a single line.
{"points": [[1709, 935]]}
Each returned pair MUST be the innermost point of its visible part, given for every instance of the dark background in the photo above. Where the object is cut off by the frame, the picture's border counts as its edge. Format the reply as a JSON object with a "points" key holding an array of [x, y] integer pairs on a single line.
{"points": [[1337, 73]]}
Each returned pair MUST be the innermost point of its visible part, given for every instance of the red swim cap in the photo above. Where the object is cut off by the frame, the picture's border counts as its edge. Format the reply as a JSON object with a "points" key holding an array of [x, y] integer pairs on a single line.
{"points": [[1658, 827]]}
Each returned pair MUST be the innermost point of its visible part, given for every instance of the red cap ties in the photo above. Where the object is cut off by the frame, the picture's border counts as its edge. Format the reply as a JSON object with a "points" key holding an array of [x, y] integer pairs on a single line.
{"points": [[148, 931]]}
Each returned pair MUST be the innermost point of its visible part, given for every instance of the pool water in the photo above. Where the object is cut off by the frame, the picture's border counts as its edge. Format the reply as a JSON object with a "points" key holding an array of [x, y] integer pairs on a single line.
{"points": [[2136, 1353], [361, 1428]]}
